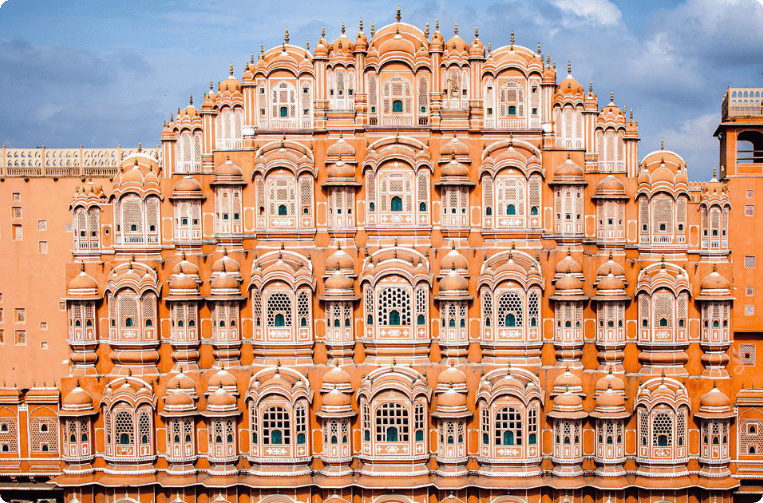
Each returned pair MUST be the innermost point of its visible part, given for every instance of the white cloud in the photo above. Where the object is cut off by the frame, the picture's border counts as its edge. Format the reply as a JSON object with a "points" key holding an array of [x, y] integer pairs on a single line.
{"points": [[600, 11], [3, 1]]}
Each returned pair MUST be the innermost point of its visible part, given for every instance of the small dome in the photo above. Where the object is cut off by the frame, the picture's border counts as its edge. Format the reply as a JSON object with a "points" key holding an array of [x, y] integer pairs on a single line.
{"points": [[610, 399], [184, 282], [451, 398], [610, 186], [611, 282], [568, 282], [451, 377], [455, 169], [224, 282], [225, 263], [662, 174], [181, 381], [336, 377], [338, 281], [185, 267], [643, 175], [715, 281], [454, 147], [336, 398], [78, 398], [570, 86], [610, 381], [341, 148], [223, 378], [178, 399], [186, 186], [568, 265], [715, 399], [567, 381], [83, 281], [681, 176], [221, 398], [456, 43], [340, 259], [453, 260], [133, 175], [228, 172], [454, 282], [569, 172], [610, 267], [341, 170], [568, 401]]}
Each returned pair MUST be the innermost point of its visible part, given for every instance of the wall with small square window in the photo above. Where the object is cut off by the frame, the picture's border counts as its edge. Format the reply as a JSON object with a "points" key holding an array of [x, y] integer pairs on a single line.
{"points": [[42, 247], [19, 315], [20, 338], [2, 336], [749, 210], [749, 261], [749, 291], [42, 225], [16, 197], [747, 354], [749, 310], [16, 212], [17, 232]]}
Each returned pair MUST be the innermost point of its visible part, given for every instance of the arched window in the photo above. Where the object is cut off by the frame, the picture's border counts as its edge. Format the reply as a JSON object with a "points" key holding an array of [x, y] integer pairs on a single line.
{"points": [[392, 424], [282, 210], [662, 430], [394, 307], [284, 101], [397, 106], [279, 311], [510, 310], [394, 317]]}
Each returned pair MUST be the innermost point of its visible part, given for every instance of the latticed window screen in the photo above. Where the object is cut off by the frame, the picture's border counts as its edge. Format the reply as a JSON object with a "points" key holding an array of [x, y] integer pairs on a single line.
{"points": [[44, 435], [487, 195], [510, 310], [681, 214], [132, 216], [511, 98], [643, 205], [281, 194], [276, 426], [392, 423], [257, 307], [124, 430], [643, 427], [663, 310], [663, 214], [369, 302], [533, 308], [423, 95], [300, 423], [511, 196], [397, 89], [254, 424], [128, 309], [423, 189], [643, 310], [487, 306], [394, 299], [152, 214], [149, 309], [747, 354], [751, 437], [421, 302], [144, 426], [8, 436], [306, 99], [372, 94], [283, 101], [366, 417], [681, 427], [303, 308], [306, 193], [279, 303], [532, 425], [662, 429], [508, 426], [534, 195], [418, 417]]}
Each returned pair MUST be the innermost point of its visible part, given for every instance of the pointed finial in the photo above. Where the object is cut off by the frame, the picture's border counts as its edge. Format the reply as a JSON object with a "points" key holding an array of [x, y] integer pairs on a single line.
{"points": [[612, 96], [231, 69], [539, 54], [426, 31], [490, 47], [140, 148], [631, 114], [662, 144], [713, 174], [455, 29], [323, 32], [343, 29], [190, 100], [262, 50], [286, 36], [251, 59], [361, 24], [548, 59], [307, 45], [373, 29], [569, 68], [476, 32], [512, 40], [398, 16]]}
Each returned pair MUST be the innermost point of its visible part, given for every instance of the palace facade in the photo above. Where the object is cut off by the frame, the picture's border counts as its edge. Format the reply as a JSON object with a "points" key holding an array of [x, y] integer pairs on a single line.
{"points": [[399, 269]]}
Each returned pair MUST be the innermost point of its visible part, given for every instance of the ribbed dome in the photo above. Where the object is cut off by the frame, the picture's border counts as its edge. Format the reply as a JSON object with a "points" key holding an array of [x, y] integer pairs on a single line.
{"points": [[569, 172], [340, 259], [452, 398], [229, 173], [611, 282], [451, 377], [568, 401], [341, 148], [224, 282], [336, 377], [610, 399], [610, 381], [225, 263], [223, 378], [78, 398], [568, 282], [178, 399], [181, 381], [453, 260], [338, 281], [715, 398], [455, 169], [341, 170], [569, 265], [610, 186], [567, 381], [83, 281], [221, 398], [336, 398], [715, 281], [662, 174], [186, 186], [454, 282]]}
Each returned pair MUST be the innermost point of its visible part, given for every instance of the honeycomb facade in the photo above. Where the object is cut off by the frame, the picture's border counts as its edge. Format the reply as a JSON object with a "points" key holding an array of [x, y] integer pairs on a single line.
{"points": [[394, 269]]}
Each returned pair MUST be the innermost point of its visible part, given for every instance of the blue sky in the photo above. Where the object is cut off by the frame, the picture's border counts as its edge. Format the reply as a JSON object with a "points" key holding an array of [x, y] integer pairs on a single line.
{"points": [[106, 73]]}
